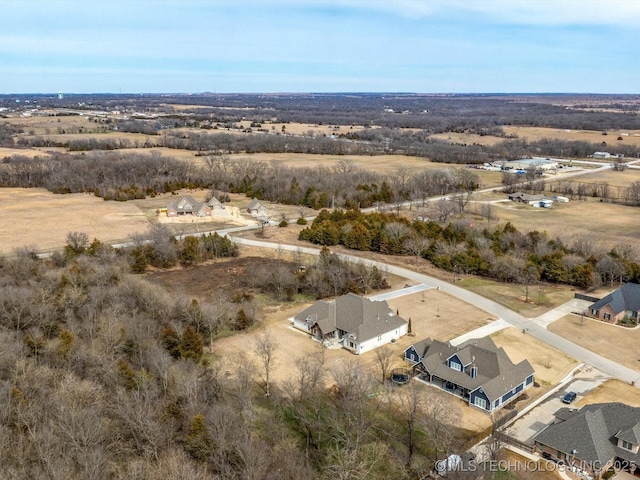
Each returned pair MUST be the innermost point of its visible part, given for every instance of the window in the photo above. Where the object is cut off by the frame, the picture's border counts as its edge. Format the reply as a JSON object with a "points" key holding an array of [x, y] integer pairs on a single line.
{"points": [[480, 402], [607, 316], [627, 445], [634, 314], [594, 312], [455, 366]]}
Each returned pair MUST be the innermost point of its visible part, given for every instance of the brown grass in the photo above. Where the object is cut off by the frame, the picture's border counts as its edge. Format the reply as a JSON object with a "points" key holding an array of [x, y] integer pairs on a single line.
{"points": [[612, 391], [37, 217], [538, 133], [611, 341], [550, 364], [533, 134], [616, 223]]}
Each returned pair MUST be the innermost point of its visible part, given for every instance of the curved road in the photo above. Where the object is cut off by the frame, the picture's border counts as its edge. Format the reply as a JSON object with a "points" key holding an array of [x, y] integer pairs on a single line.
{"points": [[513, 318]]}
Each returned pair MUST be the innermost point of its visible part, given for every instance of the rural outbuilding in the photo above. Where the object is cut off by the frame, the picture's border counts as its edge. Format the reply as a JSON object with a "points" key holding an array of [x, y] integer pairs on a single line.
{"points": [[535, 164]]}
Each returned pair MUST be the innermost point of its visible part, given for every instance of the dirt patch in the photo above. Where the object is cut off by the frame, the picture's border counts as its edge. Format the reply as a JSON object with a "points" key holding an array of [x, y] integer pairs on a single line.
{"points": [[229, 275], [614, 342], [34, 216]]}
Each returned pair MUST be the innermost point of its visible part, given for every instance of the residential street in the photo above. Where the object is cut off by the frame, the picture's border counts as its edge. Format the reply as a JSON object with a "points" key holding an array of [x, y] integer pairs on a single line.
{"points": [[530, 327]]}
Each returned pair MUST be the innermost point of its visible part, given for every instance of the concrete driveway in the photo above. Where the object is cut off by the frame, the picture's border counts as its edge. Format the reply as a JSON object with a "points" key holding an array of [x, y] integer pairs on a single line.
{"points": [[529, 425]]}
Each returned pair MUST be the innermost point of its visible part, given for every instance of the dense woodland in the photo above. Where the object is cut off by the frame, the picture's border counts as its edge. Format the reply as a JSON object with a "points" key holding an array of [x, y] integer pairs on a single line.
{"points": [[107, 376]]}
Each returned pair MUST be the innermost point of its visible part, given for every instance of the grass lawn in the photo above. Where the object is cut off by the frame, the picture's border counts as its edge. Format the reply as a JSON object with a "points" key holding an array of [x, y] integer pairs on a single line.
{"points": [[550, 365], [612, 391], [611, 341], [542, 297]]}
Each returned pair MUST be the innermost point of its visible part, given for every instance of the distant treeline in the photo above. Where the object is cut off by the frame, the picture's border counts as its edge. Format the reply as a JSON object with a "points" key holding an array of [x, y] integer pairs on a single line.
{"points": [[111, 175], [378, 141]]}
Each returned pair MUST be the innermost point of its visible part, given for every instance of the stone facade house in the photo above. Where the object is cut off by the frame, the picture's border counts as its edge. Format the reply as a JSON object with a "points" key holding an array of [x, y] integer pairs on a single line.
{"points": [[187, 205], [354, 322]]}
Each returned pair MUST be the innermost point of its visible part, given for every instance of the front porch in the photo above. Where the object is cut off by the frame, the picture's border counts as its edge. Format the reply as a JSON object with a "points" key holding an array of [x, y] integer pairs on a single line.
{"points": [[449, 387]]}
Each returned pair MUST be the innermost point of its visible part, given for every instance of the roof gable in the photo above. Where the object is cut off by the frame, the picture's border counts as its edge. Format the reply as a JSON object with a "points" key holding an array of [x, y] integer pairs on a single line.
{"points": [[591, 433], [255, 204], [496, 374], [624, 298]]}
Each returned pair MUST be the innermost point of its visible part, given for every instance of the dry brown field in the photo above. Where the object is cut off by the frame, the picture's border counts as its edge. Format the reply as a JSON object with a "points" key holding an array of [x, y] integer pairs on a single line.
{"points": [[533, 134], [40, 124], [468, 138], [611, 341], [36, 217], [384, 164], [538, 133], [611, 177], [25, 152], [612, 391], [616, 224]]}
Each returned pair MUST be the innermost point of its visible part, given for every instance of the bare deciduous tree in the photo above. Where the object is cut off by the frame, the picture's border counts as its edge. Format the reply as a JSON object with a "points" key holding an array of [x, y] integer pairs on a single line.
{"points": [[384, 360], [265, 349]]}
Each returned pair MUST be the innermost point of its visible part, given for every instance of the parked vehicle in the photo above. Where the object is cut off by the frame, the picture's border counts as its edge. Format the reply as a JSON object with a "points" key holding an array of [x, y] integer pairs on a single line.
{"points": [[569, 397]]}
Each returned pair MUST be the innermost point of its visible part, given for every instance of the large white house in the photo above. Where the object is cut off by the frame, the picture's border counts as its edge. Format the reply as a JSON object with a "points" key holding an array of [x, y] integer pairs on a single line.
{"points": [[357, 323]]}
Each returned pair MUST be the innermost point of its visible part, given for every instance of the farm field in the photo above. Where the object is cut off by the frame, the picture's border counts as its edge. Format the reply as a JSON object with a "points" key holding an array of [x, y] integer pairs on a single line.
{"points": [[533, 134], [591, 136], [611, 341], [616, 223], [36, 217]]}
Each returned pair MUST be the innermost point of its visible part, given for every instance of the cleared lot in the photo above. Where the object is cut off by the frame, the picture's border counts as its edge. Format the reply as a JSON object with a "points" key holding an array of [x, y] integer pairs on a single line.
{"points": [[611, 341], [34, 216]]}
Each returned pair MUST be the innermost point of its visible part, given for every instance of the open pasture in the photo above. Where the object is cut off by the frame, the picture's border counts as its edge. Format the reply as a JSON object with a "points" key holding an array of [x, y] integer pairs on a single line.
{"points": [[607, 223], [533, 134], [36, 217], [538, 133]]}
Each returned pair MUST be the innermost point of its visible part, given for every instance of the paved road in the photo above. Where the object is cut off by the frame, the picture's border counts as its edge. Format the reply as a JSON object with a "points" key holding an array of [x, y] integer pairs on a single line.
{"points": [[401, 292], [538, 331]]}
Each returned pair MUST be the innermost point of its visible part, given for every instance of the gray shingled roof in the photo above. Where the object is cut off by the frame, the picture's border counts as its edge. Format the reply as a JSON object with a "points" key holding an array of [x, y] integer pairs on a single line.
{"points": [[626, 297], [186, 204], [496, 374], [255, 204], [631, 435], [359, 316], [592, 432], [214, 202]]}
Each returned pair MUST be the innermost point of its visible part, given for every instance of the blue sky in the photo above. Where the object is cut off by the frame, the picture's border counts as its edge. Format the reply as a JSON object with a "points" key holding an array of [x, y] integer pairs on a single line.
{"points": [[225, 46]]}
